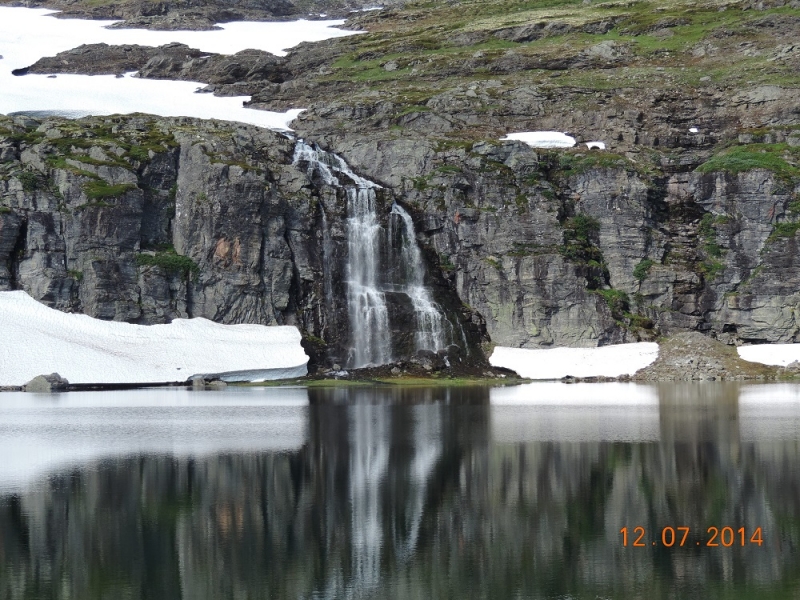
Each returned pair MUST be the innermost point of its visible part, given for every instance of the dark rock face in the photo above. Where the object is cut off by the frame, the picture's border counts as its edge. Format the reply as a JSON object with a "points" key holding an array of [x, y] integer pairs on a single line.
{"points": [[144, 220], [148, 219], [713, 252], [240, 73]]}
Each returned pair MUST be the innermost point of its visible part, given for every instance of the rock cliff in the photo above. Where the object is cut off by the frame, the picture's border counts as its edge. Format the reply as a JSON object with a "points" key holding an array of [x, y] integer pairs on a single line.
{"points": [[144, 220], [688, 222]]}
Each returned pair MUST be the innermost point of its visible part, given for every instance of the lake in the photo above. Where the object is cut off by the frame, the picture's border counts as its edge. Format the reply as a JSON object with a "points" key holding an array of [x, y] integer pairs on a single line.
{"points": [[403, 492]]}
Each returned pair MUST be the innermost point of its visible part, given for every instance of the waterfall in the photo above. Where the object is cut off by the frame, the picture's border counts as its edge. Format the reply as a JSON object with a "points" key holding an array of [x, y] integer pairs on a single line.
{"points": [[369, 316], [367, 279], [430, 322]]}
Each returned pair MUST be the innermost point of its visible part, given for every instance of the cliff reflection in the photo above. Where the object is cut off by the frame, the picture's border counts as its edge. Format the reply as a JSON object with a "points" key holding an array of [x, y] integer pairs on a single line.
{"points": [[424, 494]]}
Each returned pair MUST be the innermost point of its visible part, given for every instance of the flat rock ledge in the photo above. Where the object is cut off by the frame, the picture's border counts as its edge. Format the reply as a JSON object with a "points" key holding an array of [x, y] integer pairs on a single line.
{"points": [[692, 356]]}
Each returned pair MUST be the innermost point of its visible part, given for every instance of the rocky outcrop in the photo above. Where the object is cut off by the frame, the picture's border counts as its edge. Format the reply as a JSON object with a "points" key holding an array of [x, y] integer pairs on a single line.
{"points": [[237, 74], [145, 220], [692, 356], [45, 384]]}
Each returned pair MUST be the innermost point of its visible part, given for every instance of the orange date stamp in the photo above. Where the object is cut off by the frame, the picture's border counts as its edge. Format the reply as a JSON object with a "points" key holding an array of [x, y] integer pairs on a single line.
{"points": [[680, 537]]}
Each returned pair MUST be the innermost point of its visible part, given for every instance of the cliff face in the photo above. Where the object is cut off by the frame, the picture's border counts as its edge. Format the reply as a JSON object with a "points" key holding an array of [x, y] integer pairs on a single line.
{"points": [[582, 248], [144, 220]]}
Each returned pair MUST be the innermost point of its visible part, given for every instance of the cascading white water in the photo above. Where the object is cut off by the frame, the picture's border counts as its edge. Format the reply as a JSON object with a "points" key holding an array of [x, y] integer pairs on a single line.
{"points": [[369, 316], [431, 326], [366, 284], [366, 304]]}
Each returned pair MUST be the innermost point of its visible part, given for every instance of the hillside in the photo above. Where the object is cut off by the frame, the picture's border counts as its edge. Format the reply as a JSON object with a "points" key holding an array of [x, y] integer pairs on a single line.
{"points": [[687, 221]]}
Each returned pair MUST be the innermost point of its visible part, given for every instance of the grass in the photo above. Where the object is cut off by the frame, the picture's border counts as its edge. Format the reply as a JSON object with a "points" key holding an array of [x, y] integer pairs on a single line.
{"points": [[580, 245], [574, 163], [617, 301], [784, 230], [641, 270], [170, 261], [781, 159], [99, 189]]}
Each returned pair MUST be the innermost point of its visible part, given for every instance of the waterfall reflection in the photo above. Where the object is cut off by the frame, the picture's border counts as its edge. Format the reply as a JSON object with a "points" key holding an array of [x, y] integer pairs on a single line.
{"points": [[431, 492]]}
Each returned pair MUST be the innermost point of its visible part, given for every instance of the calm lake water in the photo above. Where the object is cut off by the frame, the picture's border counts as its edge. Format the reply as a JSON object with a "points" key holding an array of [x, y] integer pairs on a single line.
{"points": [[402, 493]]}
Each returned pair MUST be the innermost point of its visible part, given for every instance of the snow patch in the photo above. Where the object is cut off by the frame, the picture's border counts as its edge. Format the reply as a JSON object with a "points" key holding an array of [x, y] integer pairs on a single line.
{"points": [[542, 139], [596, 145], [778, 355], [694, 130], [555, 363], [28, 34], [39, 340]]}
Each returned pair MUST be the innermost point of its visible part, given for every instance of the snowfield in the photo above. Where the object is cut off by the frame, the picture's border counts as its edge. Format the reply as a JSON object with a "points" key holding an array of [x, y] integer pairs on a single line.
{"points": [[27, 35], [39, 340], [542, 139], [555, 363], [778, 355]]}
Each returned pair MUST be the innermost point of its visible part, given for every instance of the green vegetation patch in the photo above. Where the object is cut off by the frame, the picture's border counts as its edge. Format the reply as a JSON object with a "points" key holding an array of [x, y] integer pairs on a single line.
{"points": [[29, 181], [707, 234], [617, 301], [781, 159], [641, 270], [170, 261], [784, 230], [98, 189], [575, 163]]}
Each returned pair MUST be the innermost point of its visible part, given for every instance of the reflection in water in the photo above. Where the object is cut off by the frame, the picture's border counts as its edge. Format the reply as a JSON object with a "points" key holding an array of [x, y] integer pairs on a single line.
{"points": [[415, 493]]}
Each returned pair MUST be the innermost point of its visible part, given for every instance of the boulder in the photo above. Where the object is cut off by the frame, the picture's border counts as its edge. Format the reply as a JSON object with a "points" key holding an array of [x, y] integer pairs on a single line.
{"points": [[45, 384]]}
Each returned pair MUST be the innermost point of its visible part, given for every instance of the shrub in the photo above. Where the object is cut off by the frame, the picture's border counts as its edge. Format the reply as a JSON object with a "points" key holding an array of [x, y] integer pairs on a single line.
{"points": [[641, 270], [170, 261]]}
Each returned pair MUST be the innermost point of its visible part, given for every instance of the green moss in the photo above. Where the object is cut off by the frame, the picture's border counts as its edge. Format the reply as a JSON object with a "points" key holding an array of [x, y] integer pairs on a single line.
{"points": [[29, 181], [99, 188], [5, 210], [139, 153], [170, 261], [771, 157], [711, 268], [76, 275], [641, 270], [708, 235], [617, 301], [784, 230], [574, 163]]}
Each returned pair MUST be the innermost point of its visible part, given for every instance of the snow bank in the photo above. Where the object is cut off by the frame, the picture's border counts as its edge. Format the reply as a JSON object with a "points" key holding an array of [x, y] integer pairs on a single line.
{"points": [[771, 354], [606, 361], [596, 145], [38, 340], [29, 34], [542, 139]]}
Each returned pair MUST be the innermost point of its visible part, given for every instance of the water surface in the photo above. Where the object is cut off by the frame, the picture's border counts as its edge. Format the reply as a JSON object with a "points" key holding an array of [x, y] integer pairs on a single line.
{"points": [[515, 492]]}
